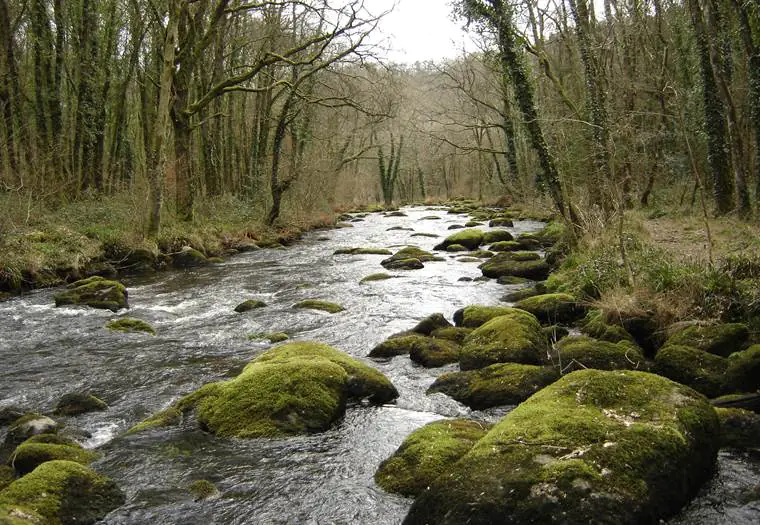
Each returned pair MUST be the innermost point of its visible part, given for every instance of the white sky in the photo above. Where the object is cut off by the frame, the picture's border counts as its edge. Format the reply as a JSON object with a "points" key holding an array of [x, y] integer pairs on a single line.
{"points": [[419, 30]]}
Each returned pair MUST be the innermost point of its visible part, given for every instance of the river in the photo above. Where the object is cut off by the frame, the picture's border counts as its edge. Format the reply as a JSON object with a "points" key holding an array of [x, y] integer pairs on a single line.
{"points": [[319, 479]]}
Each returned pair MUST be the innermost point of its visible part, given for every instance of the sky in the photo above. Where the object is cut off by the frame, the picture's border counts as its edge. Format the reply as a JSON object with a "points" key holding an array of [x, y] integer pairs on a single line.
{"points": [[419, 30]]}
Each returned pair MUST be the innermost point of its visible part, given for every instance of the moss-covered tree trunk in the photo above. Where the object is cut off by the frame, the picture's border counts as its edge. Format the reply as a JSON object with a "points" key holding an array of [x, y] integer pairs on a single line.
{"points": [[715, 117]]}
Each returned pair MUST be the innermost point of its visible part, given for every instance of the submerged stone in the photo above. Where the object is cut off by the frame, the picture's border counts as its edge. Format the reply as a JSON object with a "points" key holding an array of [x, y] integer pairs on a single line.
{"points": [[77, 403], [128, 325], [314, 304], [428, 453], [594, 447], [296, 388], [250, 304], [64, 492], [376, 277], [495, 385], [95, 292]]}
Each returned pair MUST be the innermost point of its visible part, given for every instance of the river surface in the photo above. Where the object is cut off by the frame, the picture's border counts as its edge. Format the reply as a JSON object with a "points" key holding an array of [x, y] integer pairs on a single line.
{"points": [[46, 352]]}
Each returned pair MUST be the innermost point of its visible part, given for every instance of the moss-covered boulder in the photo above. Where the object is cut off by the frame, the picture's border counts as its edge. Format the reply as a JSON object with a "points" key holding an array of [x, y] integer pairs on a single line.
{"points": [[595, 325], [495, 385], [472, 224], [452, 333], [76, 403], [165, 418], [456, 227], [295, 388], [505, 246], [513, 337], [470, 238], [743, 371], [618, 447], [403, 264], [425, 350], [23, 428], [427, 453], [95, 292], [324, 306], [408, 258], [501, 222], [362, 251], [509, 263], [553, 308], [523, 293], [250, 304], [720, 339], [437, 352], [431, 323], [130, 325], [189, 257], [64, 493], [494, 236], [739, 428], [476, 315], [551, 234], [527, 241], [689, 366], [382, 276], [585, 352], [454, 248], [34, 452]]}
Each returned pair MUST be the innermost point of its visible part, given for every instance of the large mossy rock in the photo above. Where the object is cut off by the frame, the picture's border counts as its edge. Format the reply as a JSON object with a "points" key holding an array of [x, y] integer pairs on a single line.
{"points": [[743, 371], [23, 428], [619, 447], [494, 236], [495, 385], [505, 246], [477, 315], [189, 257], [250, 304], [586, 352], [513, 337], [739, 428], [295, 388], [552, 308], [425, 350], [407, 253], [510, 264], [470, 238], [95, 292], [428, 453], [720, 339], [34, 452], [63, 493], [689, 366], [595, 325]]}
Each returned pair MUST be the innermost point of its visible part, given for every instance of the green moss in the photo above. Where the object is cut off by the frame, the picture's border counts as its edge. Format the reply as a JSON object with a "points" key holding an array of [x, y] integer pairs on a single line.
{"points": [[314, 304], [494, 385], [515, 264], [431, 323], [189, 257], [452, 333], [721, 339], [513, 337], [510, 279], [15, 515], [376, 277], [456, 248], [481, 254], [403, 264], [596, 325], [78, 403], [501, 222], [700, 370], [519, 295], [739, 428], [362, 251], [166, 418], [585, 352], [272, 337], [496, 236], [295, 388], [409, 253], [476, 315], [95, 292], [400, 345], [552, 308], [30, 454], [428, 453], [436, 352], [203, 489], [7, 476], [743, 372], [505, 246], [614, 447], [127, 325], [552, 233], [250, 304], [64, 492], [472, 224], [470, 238]]}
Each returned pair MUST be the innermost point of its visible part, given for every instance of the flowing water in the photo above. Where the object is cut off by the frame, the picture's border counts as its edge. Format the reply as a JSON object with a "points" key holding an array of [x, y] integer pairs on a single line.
{"points": [[46, 352]]}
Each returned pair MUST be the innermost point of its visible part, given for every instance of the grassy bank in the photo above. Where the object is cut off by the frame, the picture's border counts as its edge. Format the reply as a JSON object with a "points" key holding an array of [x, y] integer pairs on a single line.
{"points": [[661, 268], [44, 246]]}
